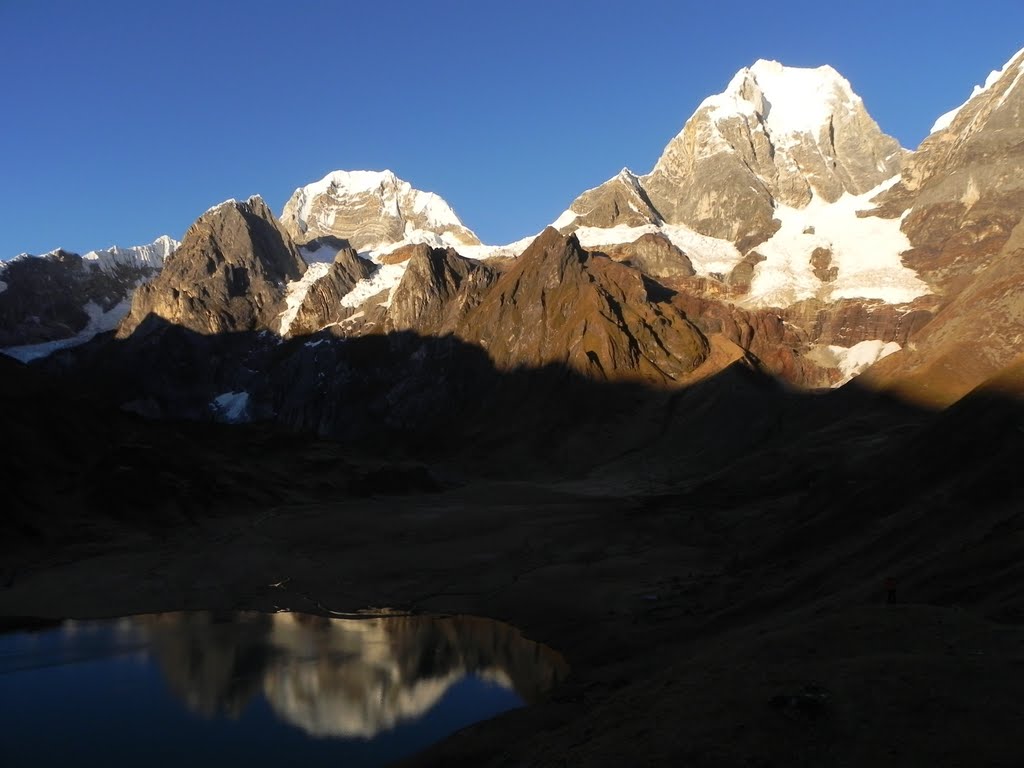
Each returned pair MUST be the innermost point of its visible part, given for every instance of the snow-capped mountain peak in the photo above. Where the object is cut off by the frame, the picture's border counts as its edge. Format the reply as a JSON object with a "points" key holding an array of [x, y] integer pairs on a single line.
{"points": [[151, 255], [775, 135], [373, 210], [787, 100]]}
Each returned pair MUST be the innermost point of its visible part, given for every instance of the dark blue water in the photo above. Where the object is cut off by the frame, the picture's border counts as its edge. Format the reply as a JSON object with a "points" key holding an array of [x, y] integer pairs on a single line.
{"points": [[257, 689]]}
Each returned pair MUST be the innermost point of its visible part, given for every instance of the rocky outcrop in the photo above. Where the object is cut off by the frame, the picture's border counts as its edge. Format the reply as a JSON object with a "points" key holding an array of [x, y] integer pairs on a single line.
{"points": [[321, 306], [653, 254], [821, 261], [371, 210], [965, 190], [620, 201], [964, 186], [561, 305], [437, 291], [742, 274], [557, 304], [403, 253], [229, 274]]}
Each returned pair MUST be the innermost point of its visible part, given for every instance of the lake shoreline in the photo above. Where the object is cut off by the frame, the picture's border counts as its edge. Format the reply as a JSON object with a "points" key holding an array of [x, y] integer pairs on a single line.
{"points": [[679, 653]]}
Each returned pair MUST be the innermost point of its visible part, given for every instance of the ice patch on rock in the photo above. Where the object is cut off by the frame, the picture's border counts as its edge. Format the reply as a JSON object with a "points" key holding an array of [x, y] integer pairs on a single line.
{"points": [[295, 292], [385, 278], [231, 407], [853, 361], [865, 250], [100, 321], [567, 217], [709, 255]]}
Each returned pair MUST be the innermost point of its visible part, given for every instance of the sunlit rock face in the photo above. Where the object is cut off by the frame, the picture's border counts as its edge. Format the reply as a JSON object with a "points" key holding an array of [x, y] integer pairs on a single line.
{"points": [[315, 301], [777, 135], [557, 304], [371, 210], [620, 201], [964, 188], [229, 274], [342, 677]]}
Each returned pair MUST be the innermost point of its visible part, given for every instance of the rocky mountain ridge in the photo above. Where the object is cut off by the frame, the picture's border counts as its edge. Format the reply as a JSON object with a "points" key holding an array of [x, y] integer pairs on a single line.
{"points": [[228, 275], [62, 298], [963, 193], [780, 224]]}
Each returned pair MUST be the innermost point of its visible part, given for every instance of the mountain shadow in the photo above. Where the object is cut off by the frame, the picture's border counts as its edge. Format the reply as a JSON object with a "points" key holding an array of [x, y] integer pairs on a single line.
{"points": [[401, 399], [402, 395]]}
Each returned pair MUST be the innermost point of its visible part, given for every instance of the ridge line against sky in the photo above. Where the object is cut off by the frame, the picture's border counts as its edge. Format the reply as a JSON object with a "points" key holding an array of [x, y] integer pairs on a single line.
{"points": [[123, 121]]}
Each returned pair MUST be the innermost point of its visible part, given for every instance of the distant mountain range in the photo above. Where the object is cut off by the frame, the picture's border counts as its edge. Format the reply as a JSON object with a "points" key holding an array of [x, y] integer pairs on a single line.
{"points": [[780, 230]]}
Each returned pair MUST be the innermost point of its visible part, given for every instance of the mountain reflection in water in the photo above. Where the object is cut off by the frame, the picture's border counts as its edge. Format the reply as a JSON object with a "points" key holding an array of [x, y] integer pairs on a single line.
{"points": [[367, 690], [341, 677]]}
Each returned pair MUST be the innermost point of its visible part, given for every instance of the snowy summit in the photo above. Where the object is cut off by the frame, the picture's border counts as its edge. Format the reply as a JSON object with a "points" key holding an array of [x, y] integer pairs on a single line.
{"points": [[372, 210]]}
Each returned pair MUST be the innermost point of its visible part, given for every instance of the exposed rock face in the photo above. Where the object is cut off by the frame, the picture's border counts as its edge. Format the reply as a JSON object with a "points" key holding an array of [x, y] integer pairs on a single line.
{"points": [[228, 275], [556, 304], [743, 273], [321, 306], [763, 235], [438, 289], [654, 255], [58, 295], [404, 253], [821, 260], [35, 304], [965, 186], [372, 209], [765, 194], [560, 304], [777, 134], [619, 201]]}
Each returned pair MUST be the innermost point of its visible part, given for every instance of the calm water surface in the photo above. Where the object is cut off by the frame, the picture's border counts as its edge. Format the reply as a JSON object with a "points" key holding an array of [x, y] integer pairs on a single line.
{"points": [[187, 689]]}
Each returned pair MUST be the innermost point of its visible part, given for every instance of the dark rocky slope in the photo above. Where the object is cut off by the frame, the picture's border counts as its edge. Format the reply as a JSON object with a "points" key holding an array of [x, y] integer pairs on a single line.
{"points": [[229, 274]]}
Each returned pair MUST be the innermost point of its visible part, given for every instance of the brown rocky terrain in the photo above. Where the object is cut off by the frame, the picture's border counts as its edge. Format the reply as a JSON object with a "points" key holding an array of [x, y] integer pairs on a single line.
{"points": [[620, 200], [966, 198], [586, 312], [654, 255], [437, 291]]}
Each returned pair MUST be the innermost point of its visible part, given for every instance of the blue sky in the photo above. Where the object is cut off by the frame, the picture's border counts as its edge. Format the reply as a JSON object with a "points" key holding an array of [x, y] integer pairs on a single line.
{"points": [[123, 120]]}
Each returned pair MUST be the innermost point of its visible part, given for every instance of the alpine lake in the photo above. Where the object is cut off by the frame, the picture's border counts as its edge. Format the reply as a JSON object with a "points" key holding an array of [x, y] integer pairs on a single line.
{"points": [[253, 689]]}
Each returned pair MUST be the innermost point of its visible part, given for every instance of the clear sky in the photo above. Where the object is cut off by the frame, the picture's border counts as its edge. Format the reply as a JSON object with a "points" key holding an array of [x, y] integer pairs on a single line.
{"points": [[121, 120]]}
